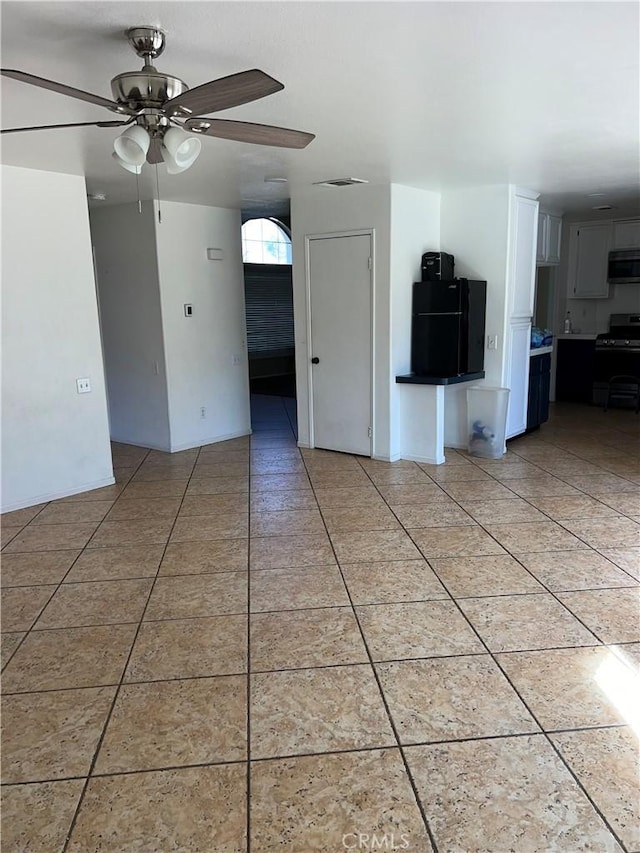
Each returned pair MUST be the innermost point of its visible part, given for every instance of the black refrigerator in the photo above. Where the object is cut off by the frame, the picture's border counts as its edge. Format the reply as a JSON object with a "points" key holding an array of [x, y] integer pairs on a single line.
{"points": [[447, 327]]}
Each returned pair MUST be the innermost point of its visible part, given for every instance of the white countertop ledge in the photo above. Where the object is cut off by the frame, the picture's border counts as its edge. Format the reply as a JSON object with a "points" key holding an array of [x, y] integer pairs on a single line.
{"points": [[577, 337], [540, 351]]}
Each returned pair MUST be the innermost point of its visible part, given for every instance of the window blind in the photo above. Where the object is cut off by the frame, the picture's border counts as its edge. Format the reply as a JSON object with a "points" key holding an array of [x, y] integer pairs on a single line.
{"points": [[268, 291]]}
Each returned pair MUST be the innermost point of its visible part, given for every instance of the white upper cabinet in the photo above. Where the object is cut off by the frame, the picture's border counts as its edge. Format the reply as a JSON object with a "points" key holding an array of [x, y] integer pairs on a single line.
{"points": [[541, 247], [589, 245], [523, 266], [549, 231], [554, 234], [626, 234]]}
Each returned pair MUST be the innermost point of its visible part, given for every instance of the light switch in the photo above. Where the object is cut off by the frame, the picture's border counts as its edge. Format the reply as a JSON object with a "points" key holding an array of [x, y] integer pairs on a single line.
{"points": [[188, 310], [492, 342], [83, 385]]}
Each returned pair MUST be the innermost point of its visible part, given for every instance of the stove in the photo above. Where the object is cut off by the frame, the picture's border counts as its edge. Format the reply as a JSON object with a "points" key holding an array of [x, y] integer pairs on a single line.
{"points": [[624, 333], [617, 354]]}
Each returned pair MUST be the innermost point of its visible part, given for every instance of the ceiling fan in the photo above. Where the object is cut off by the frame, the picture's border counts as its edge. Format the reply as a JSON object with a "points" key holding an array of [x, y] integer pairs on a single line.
{"points": [[159, 109]]}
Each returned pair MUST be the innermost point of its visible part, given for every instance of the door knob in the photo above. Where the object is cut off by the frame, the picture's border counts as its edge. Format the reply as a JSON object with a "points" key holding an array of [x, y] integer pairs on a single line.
{"points": [[315, 360]]}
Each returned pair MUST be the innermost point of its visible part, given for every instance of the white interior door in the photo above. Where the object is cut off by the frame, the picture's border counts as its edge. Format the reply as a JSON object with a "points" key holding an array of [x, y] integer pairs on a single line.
{"points": [[340, 314]]}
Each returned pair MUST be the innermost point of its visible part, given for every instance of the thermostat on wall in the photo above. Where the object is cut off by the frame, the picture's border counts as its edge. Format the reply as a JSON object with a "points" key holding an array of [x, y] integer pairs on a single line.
{"points": [[214, 254]]}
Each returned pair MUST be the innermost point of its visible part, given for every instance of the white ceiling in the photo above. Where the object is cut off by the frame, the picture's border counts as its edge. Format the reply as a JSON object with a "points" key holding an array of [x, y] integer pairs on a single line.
{"points": [[432, 95]]}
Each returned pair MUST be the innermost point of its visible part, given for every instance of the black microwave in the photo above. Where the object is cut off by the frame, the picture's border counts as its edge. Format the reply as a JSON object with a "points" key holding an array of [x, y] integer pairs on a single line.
{"points": [[624, 267]]}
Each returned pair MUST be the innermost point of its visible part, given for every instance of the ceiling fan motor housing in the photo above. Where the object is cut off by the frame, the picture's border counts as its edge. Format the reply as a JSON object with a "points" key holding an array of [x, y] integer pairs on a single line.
{"points": [[146, 88]]}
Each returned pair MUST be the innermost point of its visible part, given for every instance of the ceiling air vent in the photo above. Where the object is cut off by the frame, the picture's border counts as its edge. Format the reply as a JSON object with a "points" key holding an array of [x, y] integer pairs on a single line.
{"points": [[340, 182]]}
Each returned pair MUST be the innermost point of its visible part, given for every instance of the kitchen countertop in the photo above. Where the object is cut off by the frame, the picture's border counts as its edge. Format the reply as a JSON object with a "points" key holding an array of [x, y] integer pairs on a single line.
{"points": [[412, 379], [578, 336], [540, 351]]}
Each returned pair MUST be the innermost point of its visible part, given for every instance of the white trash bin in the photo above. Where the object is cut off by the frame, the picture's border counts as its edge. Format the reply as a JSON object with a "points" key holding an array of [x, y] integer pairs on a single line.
{"points": [[487, 421]]}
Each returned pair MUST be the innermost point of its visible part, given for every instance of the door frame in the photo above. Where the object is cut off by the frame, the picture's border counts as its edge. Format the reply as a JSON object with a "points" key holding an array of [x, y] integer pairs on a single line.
{"points": [[330, 235]]}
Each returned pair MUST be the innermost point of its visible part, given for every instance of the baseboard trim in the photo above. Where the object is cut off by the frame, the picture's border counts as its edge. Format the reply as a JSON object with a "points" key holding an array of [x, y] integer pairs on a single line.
{"points": [[54, 496], [146, 446], [176, 448], [428, 460]]}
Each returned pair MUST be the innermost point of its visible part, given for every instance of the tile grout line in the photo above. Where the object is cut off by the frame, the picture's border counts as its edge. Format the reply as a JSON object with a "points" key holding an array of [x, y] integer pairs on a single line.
{"points": [[514, 556], [294, 755], [60, 583], [588, 548], [248, 494], [287, 756], [533, 716], [529, 572], [24, 526], [248, 681], [383, 697], [249, 669], [434, 597], [121, 682], [543, 731], [311, 666]]}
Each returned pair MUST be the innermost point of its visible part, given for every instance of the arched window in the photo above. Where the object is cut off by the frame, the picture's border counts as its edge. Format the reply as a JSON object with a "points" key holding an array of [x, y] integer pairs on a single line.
{"points": [[265, 241]]}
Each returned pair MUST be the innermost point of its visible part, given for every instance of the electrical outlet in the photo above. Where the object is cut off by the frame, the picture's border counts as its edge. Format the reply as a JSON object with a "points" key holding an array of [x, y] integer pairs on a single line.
{"points": [[492, 342], [203, 412], [236, 360], [83, 385]]}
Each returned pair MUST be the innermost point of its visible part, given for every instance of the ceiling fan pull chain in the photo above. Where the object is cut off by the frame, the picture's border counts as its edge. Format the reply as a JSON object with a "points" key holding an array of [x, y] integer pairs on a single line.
{"points": [[158, 195], [138, 193]]}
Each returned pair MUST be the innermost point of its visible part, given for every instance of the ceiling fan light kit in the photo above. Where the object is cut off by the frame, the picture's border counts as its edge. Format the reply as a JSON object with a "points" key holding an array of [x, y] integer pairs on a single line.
{"points": [[135, 170], [132, 145], [180, 151], [159, 108]]}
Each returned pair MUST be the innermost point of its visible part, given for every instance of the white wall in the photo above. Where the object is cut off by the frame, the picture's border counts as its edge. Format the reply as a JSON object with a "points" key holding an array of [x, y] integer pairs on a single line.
{"points": [[163, 368], [473, 224], [200, 349], [127, 273], [326, 210], [415, 229], [474, 227], [55, 442]]}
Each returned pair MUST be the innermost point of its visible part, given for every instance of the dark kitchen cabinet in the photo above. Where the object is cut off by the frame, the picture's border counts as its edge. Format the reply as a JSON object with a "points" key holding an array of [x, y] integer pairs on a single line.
{"points": [[539, 384], [574, 370]]}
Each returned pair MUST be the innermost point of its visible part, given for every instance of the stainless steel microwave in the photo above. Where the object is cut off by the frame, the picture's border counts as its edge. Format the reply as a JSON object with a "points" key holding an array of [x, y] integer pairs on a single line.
{"points": [[624, 267]]}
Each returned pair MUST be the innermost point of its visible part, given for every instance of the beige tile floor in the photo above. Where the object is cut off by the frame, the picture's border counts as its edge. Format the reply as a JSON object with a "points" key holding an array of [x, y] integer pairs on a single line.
{"points": [[251, 646]]}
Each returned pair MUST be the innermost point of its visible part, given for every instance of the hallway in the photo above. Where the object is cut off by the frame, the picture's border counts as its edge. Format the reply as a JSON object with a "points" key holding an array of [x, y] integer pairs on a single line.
{"points": [[317, 649]]}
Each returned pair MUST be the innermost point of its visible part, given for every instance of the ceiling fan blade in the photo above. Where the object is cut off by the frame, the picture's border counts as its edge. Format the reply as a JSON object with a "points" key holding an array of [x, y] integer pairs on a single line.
{"points": [[69, 91], [154, 154], [223, 93], [245, 131], [75, 124]]}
